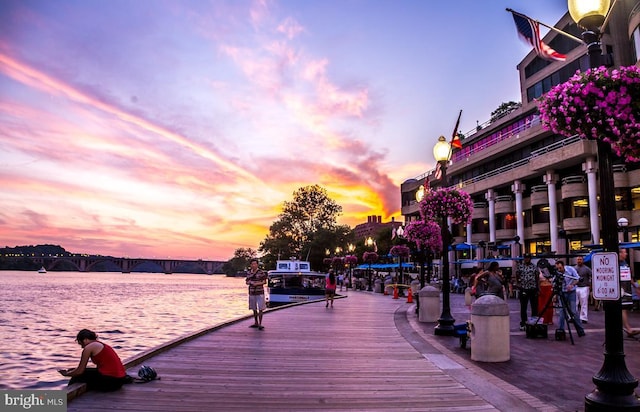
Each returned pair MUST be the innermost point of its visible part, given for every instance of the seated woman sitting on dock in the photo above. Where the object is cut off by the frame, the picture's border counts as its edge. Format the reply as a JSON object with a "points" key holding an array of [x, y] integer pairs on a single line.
{"points": [[109, 375]]}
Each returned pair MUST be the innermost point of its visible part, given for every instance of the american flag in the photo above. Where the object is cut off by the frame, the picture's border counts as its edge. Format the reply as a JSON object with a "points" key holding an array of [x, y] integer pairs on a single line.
{"points": [[529, 31]]}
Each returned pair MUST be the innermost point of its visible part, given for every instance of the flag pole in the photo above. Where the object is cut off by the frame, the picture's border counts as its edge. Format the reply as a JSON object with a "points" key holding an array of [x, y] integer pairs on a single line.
{"points": [[455, 132], [557, 30]]}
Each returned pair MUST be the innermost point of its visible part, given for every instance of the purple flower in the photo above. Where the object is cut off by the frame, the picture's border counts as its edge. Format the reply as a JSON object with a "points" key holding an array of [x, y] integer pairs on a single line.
{"points": [[597, 104]]}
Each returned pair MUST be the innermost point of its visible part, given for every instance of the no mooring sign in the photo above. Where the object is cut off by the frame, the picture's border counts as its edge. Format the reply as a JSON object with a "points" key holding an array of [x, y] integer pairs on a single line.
{"points": [[606, 276]]}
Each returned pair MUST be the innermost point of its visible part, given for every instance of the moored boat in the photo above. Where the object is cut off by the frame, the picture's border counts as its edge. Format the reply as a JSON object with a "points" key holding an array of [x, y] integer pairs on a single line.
{"points": [[293, 281]]}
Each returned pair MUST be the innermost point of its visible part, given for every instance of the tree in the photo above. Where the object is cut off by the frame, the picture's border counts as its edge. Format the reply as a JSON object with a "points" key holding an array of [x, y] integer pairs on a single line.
{"points": [[239, 261], [504, 109], [309, 213]]}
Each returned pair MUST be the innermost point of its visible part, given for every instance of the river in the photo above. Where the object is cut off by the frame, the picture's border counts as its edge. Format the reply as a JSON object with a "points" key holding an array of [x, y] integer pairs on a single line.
{"points": [[40, 314]]}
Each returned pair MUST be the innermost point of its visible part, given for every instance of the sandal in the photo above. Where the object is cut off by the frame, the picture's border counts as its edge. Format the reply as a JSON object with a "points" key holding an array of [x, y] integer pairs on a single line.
{"points": [[632, 332]]}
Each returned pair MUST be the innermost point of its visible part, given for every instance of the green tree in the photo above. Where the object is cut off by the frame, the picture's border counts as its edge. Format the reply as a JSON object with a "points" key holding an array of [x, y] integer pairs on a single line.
{"points": [[504, 109], [310, 214], [239, 261]]}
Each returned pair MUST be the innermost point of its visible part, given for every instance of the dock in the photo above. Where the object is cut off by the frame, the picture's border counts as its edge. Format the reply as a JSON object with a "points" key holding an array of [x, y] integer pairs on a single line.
{"points": [[367, 353]]}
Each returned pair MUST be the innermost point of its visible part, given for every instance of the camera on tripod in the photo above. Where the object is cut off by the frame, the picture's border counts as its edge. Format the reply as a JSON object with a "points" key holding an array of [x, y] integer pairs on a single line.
{"points": [[550, 272]]}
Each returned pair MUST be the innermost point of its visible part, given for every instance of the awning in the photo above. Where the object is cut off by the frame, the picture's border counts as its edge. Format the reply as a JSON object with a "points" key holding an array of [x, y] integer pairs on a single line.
{"points": [[380, 266], [461, 247]]}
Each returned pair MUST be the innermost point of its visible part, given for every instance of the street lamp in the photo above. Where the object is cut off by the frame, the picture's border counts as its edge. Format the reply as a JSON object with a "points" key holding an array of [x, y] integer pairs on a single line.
{"points": [[623, 223], [400, 233], [369, 244], [614, 383], [442, 152], [351, 247]]}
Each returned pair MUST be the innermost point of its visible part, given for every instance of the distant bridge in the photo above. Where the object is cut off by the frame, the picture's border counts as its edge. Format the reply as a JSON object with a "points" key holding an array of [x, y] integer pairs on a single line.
{"points": [[126, 265]]}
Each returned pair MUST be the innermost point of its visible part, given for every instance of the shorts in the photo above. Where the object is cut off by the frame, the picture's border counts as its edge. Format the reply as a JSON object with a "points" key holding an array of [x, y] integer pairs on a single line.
{"points": [[330, 292], [257, 302]]}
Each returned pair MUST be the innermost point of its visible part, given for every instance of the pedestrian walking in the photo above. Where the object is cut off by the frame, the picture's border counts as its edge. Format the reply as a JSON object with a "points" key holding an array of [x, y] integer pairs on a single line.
{"points": [[330, 289]]}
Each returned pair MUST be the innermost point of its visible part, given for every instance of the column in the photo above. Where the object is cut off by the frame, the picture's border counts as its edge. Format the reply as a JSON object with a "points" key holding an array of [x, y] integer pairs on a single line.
{"points": [[550, 179], [590, 168], [491, 198], [518, 189]]}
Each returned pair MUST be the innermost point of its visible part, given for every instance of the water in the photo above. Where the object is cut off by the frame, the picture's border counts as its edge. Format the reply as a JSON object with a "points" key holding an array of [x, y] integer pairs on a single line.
{"points": [[40, 314]]}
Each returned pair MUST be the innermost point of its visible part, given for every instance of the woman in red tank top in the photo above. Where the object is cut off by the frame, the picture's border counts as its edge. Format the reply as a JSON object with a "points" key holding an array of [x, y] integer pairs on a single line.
{"points": [[109, 374]]}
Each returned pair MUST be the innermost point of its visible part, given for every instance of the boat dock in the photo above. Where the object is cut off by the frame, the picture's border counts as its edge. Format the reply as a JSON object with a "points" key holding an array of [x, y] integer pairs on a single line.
{"points": [[368, 353]]}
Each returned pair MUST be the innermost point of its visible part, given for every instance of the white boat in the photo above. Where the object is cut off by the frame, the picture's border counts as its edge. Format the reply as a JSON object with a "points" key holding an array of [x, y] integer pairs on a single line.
{"points": [[293, 281], [42, 270]]}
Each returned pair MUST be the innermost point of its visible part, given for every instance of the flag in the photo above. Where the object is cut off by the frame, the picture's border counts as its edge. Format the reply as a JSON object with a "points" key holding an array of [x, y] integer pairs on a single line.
{"points": [[529, 31], [438, 174], [455, 138]]}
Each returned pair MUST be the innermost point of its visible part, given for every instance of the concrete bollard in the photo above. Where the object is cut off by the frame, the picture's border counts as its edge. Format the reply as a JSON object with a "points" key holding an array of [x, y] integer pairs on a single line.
{"points": [[429, 304], [490, 340]]}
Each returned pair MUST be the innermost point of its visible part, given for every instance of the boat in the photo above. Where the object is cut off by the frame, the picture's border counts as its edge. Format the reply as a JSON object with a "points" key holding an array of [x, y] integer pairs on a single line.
{"points": [[293, 281], [42, 270]]}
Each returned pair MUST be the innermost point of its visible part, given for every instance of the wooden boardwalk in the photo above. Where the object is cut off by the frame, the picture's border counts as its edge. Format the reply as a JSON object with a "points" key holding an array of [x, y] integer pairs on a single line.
{"points": [[351, 357]]}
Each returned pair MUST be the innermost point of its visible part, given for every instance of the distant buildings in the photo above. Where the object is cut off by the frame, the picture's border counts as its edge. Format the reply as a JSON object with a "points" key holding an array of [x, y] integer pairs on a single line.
{"points": [[373, 226], [535, 191]]}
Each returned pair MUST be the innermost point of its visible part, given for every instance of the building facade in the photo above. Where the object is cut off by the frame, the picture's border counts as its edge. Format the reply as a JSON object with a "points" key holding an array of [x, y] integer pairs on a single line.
{"points": [[535, 191]]}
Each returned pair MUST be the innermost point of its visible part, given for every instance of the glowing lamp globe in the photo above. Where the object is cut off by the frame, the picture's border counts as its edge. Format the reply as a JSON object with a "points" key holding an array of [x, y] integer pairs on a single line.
{"points": [[589, 14], [442, 150]]}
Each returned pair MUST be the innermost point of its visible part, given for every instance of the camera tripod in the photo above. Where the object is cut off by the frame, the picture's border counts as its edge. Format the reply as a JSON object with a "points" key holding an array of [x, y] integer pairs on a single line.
{"points": [[566, 311]]}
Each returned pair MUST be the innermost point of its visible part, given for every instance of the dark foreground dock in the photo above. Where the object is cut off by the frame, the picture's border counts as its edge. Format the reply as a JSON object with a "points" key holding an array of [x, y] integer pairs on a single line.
{"points": [[367, 353]]}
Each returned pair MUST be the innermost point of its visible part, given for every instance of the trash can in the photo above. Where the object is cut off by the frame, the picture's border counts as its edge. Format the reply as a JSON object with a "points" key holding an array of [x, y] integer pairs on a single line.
{"points": [[490, 330], [429, 304], [377, 286]]}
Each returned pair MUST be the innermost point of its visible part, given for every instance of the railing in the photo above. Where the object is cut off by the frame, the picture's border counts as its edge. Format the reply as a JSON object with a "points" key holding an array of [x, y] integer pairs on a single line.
{"points": [[504, 198], [555, 146], [495, 172], [573, 179], [466, 152], [539, 188]]}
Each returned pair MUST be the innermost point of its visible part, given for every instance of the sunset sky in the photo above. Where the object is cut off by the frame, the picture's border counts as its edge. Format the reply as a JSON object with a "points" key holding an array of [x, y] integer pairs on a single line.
{"points": [[155, 128]]}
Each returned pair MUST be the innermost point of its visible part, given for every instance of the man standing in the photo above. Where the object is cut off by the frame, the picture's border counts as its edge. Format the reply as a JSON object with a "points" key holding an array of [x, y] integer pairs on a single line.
{"points": [[527, 280], [256, 279], [569, 281], [582, 288]]}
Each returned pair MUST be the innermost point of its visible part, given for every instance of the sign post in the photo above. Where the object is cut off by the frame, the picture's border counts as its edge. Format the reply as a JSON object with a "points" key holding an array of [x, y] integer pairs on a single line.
{"points": [[606, 276]]}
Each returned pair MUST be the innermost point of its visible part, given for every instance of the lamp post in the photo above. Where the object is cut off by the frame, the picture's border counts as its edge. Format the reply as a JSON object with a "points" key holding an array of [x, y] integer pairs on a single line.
{"points": [[351, 247], [623, 223], [442, 152], [614, 383], [369, 244], [400, 233]]}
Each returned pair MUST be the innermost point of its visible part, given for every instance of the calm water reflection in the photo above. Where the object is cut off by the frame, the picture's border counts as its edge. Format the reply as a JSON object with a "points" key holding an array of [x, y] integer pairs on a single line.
{"points": [[40, 315]]}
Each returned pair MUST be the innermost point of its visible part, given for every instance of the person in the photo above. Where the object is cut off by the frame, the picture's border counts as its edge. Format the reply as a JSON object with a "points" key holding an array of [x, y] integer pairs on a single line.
{"points": [[493, 281], [582, 288], [109, 374], [527, 275], [341, 281], [256, 279], [330, 288], [625, 278], [569, 281]]}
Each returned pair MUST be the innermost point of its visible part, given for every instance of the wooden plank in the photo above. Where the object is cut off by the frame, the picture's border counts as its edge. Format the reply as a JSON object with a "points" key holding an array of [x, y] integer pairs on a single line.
{"points": [[350, 357]]}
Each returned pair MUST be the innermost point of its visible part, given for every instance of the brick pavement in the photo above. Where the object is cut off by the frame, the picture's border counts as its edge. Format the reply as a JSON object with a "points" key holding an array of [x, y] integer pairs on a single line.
{"points": [[555, 372]]}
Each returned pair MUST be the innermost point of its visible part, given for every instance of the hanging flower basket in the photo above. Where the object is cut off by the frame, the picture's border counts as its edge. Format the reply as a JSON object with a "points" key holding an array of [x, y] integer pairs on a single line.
{"points": [[327, 261], [445, 202], [425, 234], [370, 257], [597, 104], [400, 250], [350, 259]]}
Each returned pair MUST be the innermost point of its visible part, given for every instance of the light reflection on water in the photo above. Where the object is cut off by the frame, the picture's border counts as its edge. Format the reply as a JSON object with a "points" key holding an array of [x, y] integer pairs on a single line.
{"points": [[40, 315]]}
